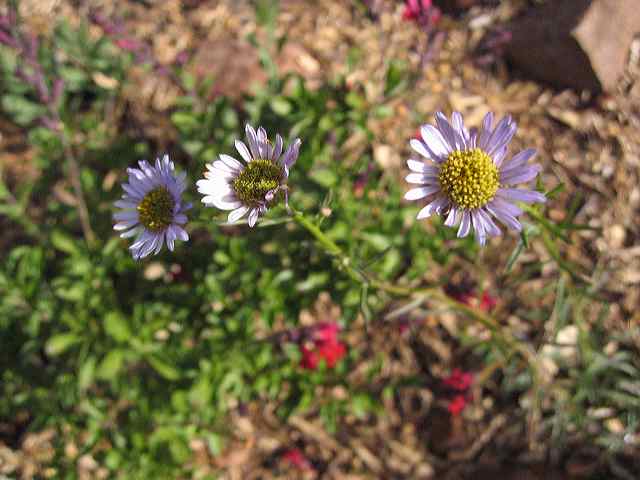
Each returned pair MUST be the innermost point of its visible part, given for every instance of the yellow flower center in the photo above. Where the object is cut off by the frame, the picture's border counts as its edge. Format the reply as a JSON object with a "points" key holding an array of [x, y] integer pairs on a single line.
{"points": [[258, 177], [469, 178], [156, 209]]}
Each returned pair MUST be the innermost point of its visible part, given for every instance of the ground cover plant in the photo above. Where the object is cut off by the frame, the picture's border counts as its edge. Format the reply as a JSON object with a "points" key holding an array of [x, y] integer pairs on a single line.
{"points": [[293, 298]]}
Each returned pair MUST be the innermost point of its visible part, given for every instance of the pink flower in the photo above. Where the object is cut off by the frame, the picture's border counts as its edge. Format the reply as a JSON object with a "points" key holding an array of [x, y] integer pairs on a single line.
{"points": [[456, 406], [422, 11], [324, 345], [459, 380], [296, 458], [413, 8], [128, 44]]}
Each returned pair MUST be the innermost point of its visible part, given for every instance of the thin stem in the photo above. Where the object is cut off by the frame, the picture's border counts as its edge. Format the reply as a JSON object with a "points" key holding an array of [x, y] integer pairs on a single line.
{"points": [[83, 212], [436, 293], [330, 247]]}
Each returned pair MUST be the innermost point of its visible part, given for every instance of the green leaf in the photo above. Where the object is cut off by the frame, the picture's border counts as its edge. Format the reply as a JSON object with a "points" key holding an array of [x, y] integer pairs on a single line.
{"points": [[362, 404], [163, 368], [63, 242], [111, 365], [74, 78], [377, 240], [315, 280], [60, 343], [86, 373], [117, 327], [324, 177], [184, 121], [281, 106], [22, 110], [215, 443], [514, 256]]}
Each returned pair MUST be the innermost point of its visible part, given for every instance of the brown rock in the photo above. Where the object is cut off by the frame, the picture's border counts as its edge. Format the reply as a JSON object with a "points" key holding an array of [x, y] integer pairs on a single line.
{"points": [[582, 44], [233, 64]]}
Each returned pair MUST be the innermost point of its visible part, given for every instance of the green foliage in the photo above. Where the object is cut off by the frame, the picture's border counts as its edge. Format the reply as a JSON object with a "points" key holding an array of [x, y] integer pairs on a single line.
{"points": [[95, 342]]}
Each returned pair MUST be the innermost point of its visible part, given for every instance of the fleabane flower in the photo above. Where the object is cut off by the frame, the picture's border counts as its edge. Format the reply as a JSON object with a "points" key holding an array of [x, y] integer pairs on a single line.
{"points": [[249, 187], [152, 207], [468, 178]]}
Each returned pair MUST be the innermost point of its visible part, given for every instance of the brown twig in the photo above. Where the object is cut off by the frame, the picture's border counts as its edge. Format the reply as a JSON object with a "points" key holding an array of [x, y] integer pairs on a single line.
{"points": [[83, 211]]}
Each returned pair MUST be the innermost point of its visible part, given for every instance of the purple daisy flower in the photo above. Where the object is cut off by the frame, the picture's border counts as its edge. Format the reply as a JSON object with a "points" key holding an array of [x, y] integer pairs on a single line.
{"points": [[152, 207], [468, 179], [247, 188]]}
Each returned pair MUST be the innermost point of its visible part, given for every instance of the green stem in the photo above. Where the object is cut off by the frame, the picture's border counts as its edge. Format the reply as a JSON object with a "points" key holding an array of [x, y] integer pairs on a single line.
{"points": [[436, 293], [330, 247]]}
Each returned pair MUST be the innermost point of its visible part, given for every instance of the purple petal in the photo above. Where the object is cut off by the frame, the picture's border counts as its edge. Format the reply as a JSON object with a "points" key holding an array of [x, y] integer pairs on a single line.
{"points": [[263, 145], [437, 147], [243, 151], [507, 207], [125, 225], [478, 227], [520, 195], [126, 215], [421, 178], [253, 217], [421, 167], [160, 243], [171, 238], [502, 135], [231, 162], [451, 218], [485, 132], [181, 233], [499, 156], [130, 233], [252, 141], [448, 132], [519, 159], [237, 214], [490, 227], [520, 175], [434, 207], [458, 125], [465, 224], [277, 148], [418, 193], [291, 154]]}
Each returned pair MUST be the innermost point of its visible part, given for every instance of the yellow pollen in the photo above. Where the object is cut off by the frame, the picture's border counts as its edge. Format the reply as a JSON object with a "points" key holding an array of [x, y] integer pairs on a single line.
{"points": [[259, 177], [469, 178], [156, 209]]}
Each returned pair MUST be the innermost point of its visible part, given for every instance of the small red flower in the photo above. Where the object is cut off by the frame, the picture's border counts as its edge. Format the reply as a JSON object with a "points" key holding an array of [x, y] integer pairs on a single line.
{"points": [[413, 8], [456, 405], [485, 303], [128, 44], [296, 458], [326, 332], [422, 11], [459, 380], [324, 345]]}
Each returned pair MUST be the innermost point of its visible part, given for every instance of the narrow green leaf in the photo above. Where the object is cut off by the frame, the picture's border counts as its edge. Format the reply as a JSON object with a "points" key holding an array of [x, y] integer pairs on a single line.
{"points": [[111, 365], [117, 327], [163, 368], [63, 242], [60, 343]]}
